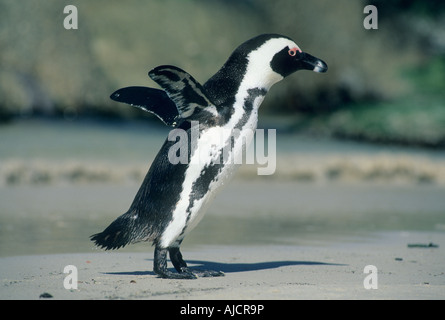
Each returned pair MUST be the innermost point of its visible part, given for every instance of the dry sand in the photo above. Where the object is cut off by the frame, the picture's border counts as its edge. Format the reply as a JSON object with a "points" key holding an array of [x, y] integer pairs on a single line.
{"points": [[251, 272]]}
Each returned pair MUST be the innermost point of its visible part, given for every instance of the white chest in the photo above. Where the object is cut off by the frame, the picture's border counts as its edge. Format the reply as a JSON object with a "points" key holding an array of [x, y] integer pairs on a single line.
{"points": [[216, 154]]}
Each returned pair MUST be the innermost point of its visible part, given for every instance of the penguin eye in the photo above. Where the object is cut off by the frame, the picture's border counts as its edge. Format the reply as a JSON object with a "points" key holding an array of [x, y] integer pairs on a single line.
{"points": [[292, 52]]}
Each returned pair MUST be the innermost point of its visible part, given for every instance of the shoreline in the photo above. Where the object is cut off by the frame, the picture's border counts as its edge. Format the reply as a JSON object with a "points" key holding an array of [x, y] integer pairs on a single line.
{"points": [[57, 219]]}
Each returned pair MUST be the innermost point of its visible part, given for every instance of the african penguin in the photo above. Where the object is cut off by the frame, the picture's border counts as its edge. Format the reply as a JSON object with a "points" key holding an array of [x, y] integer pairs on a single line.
{"points": [[173, 196]]}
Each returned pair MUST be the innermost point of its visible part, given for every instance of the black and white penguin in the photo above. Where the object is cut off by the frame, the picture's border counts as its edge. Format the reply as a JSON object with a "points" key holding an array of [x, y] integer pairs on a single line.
{"points": [[173, 196]]}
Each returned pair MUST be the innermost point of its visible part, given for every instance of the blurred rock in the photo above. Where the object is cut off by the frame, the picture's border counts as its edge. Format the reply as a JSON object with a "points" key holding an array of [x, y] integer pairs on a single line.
{"points": [[45, 69]]}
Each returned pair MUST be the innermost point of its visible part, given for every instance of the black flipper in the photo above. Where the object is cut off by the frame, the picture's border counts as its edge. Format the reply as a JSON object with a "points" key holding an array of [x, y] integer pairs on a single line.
{"points": [[151, 100], [187, 93]]}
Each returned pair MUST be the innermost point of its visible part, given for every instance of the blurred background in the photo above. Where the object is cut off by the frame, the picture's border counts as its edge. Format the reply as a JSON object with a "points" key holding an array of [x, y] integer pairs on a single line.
{"points": [[71, 159], [383, 85]]}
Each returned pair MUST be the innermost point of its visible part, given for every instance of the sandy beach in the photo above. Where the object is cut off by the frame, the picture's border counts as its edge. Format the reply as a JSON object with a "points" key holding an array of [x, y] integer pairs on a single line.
{"points": [[307, 232], [251, 272], [341, 195], [315, 252]]}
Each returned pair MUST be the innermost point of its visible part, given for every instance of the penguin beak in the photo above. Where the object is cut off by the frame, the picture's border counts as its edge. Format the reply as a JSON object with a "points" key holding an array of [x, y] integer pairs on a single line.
{"points": [[309, 62]]}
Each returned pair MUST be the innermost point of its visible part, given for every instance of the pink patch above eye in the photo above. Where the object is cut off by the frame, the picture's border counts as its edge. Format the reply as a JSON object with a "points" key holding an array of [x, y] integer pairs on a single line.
{"points": [[293, 51]]}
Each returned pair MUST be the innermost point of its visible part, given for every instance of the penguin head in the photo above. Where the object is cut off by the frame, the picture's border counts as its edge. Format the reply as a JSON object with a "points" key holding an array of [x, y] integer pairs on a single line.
{"points": [[290, 59], [259, 63], [272, 57]]}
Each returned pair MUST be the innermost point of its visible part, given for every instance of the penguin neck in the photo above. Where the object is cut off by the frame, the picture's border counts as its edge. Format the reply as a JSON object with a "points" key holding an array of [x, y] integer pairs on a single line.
{"points": [[245, 108], [239, 87], [237, 101], [238, 75]]}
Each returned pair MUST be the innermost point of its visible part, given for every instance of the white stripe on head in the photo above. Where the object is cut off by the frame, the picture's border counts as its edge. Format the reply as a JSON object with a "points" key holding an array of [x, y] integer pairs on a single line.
{"points": [[259, 73]]}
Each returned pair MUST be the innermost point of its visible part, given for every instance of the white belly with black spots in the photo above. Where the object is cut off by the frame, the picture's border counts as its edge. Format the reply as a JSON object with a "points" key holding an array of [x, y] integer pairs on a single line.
{"points": [[206, 173]]}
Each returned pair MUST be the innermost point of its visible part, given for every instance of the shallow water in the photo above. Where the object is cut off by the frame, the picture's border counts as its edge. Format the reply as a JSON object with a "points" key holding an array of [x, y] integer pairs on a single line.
{"points": [[60, 182]]}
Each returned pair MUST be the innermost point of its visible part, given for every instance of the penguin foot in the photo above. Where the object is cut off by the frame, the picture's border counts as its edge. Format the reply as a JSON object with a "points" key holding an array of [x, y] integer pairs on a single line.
{"points": [[160, 265], [184, 272], [166, 274], [203, 273], [181, 266], [188, 273]]}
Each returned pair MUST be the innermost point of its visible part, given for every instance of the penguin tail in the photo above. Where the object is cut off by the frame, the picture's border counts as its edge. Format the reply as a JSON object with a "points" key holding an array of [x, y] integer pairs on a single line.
{"points": [[117, 235], [107, 240]]}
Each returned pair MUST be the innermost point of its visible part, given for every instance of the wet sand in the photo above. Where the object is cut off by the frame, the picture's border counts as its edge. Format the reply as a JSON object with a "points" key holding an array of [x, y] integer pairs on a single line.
{"points": [[39, 220]]}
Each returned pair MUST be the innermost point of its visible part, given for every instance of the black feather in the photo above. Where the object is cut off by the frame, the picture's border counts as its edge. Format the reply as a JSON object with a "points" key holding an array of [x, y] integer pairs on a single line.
{"points": [[152, 207], [151, 100]]}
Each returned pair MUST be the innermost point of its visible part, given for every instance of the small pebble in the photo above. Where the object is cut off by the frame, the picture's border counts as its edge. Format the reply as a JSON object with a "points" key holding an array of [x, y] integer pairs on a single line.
{"points": [[45, 295]]}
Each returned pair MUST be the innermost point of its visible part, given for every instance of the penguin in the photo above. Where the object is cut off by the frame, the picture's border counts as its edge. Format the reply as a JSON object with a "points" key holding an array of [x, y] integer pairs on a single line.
{"points": [[174, 196]]}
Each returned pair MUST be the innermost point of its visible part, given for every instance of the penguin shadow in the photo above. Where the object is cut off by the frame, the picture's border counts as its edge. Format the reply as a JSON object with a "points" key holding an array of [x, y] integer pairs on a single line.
{"points": [[233, 267], [256, 266]]}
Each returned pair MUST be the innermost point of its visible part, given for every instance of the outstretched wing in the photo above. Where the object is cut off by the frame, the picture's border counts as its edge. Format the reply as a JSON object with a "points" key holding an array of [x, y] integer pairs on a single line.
{"points": [[187, 93], [151, 100], [181, 98]]}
